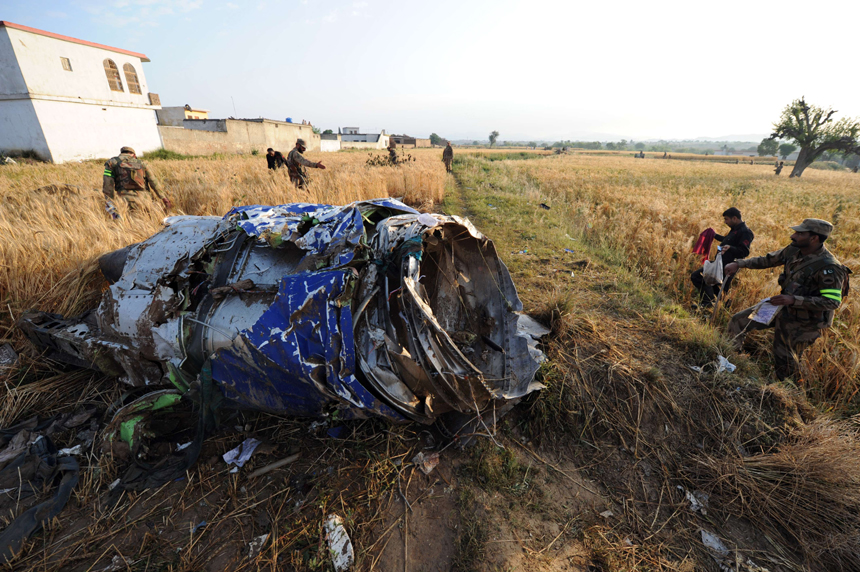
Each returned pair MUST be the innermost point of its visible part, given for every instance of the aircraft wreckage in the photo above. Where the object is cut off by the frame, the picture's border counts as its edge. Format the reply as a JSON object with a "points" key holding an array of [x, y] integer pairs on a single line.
{"points": [[373, 309]]}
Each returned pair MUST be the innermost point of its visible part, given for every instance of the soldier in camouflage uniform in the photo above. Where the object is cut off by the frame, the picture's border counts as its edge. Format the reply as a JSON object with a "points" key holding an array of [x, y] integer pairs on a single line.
{"points": [[295, 162], [448, 156], [126, 176], [812, 289]]}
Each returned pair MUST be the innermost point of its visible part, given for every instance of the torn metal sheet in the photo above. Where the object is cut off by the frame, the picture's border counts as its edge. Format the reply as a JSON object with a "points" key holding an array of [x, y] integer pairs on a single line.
{"points": [[372, 309]]}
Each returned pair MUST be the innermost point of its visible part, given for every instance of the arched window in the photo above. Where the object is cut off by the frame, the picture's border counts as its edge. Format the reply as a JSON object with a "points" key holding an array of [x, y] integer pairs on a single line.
{"points": [[131, 78], [113, 76]]}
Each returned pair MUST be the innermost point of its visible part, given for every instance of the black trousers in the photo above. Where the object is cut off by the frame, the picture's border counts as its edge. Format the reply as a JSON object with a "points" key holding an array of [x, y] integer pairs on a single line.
{"points": [[707, 293]]}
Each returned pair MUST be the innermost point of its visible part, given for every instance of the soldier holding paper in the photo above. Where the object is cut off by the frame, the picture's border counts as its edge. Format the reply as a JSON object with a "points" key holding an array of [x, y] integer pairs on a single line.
{"points": [[813, 283]]}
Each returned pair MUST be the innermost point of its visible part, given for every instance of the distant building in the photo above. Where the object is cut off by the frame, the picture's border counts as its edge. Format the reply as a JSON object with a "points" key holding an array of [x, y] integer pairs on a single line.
{"points": [[330, 142], [68, 99], [176, 115], [408, 141], [352, 139]]}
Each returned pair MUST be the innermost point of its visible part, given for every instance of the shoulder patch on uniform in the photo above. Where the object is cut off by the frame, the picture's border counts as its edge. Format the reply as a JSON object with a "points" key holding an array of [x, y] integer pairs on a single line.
{"points": [[827, 271]]}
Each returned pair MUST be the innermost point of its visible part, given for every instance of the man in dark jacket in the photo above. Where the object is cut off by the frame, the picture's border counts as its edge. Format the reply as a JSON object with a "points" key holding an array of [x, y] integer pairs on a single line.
{"points": [[735, 246], [270, 158]]}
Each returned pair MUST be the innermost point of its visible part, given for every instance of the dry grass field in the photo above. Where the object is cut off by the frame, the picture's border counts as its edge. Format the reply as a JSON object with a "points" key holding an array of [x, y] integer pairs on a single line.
{"points": [[653, 210]]}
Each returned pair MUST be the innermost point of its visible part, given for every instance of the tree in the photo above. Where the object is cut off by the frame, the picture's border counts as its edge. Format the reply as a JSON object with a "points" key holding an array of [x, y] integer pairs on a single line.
{"points": [[532, 144], [493, 136], [815, 131], [475, 143], [621, 145], [328, 132], [767, 148], [640, 146], [786, 149], [316, 130], [611, 146], [436, 140]]}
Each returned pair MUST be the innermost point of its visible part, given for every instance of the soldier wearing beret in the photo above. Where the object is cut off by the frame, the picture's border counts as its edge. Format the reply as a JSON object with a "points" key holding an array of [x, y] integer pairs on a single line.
{"points": [[295, 162], [812, 288], [126, 176]]}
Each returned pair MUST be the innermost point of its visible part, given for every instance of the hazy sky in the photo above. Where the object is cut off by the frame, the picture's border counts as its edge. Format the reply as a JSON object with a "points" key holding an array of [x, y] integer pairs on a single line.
{"points": [[461, 68]]}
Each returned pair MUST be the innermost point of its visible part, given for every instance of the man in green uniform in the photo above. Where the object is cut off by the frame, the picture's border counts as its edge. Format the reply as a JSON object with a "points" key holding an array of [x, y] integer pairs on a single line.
{"points": [[295, 162], [812, 287], [126, 176], [448, 156]]}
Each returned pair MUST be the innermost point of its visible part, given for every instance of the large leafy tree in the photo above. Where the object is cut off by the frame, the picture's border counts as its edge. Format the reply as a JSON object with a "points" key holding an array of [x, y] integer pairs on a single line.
{"points": [[493, 137], [767, 147], [436, 140], [815, 132]]}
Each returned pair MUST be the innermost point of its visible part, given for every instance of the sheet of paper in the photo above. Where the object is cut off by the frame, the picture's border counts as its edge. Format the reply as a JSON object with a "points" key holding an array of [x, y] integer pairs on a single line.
{"points": [[765, 312]]}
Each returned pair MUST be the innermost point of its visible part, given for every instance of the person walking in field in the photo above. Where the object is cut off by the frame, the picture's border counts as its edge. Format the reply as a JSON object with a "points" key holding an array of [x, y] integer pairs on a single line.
{"points": [[125, 175], [813, 283], [448, 156], [778, 169], [392, 152], [296, 162], [735, 246]]}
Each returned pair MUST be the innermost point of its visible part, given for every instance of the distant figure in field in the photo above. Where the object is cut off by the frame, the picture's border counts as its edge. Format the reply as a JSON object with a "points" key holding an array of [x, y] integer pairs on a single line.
{"points": [[752, 162], [392, 152], [295, 163], [737, 161], [778, 169], [665, 154], [448, 156], [270, 158], [126, 176], [855, 169]]}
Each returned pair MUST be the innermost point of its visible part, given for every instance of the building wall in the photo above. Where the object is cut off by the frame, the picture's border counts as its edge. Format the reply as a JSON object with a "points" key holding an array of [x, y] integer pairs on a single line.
{"points": [[39, 59], [11, 79], [208, 136], [107, 129], [380, 143], [422, 143], [329, 145], [20, 129], [69, 115], [173, 116]]}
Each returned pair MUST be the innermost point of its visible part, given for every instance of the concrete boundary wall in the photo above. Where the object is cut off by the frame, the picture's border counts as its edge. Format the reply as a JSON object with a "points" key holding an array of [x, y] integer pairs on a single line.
{"points": [[239, 136]]}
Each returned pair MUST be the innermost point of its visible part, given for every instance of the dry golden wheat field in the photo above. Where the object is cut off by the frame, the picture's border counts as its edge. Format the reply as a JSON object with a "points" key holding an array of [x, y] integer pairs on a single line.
{"points": [[654, 209]]}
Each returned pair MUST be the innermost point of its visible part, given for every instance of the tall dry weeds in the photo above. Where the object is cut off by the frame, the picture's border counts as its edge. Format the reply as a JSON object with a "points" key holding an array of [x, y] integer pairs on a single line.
{"points": [[806, 493], [653, 210]]}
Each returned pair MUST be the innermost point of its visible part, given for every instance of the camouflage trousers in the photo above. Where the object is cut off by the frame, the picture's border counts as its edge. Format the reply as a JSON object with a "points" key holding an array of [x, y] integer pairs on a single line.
{"points": [[791, 337], [131, 198], [448, 164]]}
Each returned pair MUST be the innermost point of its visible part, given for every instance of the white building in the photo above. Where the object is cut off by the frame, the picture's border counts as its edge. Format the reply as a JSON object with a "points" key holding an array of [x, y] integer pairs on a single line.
{"points": [[351, 138], [68, 99]]}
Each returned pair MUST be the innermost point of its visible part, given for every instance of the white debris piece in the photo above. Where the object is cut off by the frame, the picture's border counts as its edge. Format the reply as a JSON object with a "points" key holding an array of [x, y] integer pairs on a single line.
{"points": [[339, 544], [240, 455], [606, 513], [426, 462], [256, 546], [725, 365], [183, 445], [698, 500], [725, 558], [76, 450], [427, 220]]}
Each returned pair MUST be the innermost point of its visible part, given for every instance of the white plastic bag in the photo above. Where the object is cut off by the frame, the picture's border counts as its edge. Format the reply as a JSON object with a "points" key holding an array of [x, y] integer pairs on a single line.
{"points": [[712, 272]]}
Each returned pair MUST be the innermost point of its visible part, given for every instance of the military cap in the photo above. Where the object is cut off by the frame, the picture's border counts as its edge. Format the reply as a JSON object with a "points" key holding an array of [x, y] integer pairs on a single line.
{"points": [[815, 225], [301, 142], [127, 150]]}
